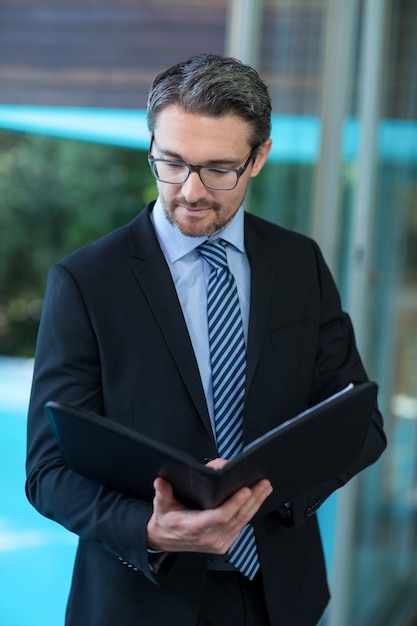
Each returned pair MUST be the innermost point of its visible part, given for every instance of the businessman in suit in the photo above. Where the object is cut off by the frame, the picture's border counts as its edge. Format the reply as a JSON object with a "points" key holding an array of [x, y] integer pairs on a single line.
{"points": [[124, 332]]}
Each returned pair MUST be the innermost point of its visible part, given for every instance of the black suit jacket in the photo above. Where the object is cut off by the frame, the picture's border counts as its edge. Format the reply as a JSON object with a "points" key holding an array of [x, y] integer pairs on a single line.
{"points": [[113, 339]]}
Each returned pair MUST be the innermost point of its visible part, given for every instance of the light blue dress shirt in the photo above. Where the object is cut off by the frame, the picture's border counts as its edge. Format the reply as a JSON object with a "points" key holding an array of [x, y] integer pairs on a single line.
{"points": [[190, 273]]}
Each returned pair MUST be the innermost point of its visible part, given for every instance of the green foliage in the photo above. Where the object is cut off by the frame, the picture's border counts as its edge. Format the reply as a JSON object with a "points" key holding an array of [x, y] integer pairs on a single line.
{"points": [[282, 194], [55, 196]]}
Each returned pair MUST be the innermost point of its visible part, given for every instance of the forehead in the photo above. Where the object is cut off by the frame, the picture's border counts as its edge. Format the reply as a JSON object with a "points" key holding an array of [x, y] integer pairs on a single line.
{"points": [[198, 138]]}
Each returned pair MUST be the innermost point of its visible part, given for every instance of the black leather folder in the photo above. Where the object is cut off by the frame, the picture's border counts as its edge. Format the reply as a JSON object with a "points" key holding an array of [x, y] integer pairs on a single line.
{"points": [[301, 453]]}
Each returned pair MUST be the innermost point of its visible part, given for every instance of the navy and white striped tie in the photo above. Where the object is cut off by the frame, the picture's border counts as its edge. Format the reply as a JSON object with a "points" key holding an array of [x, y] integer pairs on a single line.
{"points": [[228, 368]]}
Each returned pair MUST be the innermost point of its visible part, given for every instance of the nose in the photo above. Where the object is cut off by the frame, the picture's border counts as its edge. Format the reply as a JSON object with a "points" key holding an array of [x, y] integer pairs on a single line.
{"points": [[193, 189]]}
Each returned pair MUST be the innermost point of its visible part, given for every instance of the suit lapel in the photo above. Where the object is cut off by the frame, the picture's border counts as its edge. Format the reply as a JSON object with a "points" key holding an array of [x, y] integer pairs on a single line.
{"points": [[262, 279], [154, 278]]}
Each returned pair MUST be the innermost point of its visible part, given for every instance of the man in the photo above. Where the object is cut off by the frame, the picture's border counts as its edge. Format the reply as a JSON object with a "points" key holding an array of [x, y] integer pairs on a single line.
{"points": [[126, 331]]}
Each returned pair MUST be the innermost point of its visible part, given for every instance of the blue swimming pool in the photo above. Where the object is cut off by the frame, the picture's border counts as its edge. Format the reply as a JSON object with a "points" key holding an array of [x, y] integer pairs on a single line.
{"points": [[36, 555]]}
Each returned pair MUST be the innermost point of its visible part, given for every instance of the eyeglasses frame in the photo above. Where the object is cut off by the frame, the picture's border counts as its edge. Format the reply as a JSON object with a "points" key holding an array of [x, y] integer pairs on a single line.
{"points": [[197, 168]]}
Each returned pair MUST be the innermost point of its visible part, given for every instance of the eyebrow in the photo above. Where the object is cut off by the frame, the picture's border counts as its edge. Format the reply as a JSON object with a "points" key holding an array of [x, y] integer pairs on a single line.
{"points": [[213, 162]]}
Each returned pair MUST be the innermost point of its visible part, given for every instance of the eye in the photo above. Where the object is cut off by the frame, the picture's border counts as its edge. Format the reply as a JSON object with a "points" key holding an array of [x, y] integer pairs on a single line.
{"points": [[173, 165], [217, 171]]}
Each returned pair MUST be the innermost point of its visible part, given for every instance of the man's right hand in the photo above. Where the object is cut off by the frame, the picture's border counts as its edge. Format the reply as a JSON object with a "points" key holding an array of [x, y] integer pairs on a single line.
{"points": [[174, 528]]}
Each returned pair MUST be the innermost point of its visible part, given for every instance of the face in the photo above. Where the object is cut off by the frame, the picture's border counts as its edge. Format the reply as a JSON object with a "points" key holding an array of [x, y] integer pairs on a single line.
{"points": [[201, 140]]}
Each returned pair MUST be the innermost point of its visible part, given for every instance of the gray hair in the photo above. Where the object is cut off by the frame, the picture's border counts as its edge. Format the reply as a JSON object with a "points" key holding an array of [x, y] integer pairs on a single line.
{"points": [[215, 86]]}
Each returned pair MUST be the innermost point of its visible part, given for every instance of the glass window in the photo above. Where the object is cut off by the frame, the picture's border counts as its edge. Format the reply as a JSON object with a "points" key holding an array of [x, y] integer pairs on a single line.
{"points": [[378, 560]]}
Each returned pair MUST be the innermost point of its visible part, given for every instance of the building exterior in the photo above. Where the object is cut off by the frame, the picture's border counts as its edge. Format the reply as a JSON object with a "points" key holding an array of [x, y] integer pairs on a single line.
{"points": [[343, 78]]}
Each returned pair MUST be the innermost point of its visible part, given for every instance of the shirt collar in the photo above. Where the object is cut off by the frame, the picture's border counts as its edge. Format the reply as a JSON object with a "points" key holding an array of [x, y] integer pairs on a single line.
{"points": [[176, 245]]}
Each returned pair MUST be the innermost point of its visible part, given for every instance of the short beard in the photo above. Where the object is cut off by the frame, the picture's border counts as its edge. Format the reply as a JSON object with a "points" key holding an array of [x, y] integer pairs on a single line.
{"points": [[222, 216], [215, 226], [208, 232]]}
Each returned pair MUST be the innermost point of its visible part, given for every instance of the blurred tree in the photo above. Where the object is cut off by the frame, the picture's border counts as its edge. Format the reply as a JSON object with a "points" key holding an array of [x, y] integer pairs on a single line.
{"points": [[55, 196]]}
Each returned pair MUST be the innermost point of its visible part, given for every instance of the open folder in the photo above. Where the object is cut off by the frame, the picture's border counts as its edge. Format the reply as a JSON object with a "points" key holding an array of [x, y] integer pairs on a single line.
{"points": [[299, 454]]}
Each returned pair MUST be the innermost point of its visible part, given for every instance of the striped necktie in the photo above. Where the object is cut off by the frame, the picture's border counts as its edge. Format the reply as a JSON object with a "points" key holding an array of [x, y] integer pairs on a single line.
{"points": [[228, 369]]}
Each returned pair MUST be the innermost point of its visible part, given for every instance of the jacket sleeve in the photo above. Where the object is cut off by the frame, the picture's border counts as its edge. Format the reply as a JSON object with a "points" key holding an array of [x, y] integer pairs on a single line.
{"points": [[67, 368], [337, 364]]}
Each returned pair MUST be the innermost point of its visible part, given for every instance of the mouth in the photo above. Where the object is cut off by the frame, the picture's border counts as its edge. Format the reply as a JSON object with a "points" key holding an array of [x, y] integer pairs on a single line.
{"points": [[194, 210]]}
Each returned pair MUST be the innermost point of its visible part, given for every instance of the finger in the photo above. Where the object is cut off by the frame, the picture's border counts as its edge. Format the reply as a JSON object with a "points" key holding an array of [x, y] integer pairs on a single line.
{"points": [[217, 463], [164, 499], [262, 489], [246, 502], [162, 485], [259, 493]]}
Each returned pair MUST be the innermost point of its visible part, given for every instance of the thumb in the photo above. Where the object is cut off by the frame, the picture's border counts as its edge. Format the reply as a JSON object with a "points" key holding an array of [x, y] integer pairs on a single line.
{"points": [[164, 496]]}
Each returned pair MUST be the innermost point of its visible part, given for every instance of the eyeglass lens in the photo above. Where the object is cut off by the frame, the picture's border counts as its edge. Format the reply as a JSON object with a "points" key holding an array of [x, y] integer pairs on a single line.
{"points": [[177, 173]]}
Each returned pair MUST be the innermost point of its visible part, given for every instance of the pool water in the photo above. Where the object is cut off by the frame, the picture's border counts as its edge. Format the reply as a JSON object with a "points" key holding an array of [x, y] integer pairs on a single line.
{"points": [[36, 554]]}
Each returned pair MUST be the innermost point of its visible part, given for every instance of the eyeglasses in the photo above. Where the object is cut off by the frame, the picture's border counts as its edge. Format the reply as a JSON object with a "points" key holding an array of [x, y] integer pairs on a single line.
{"points": [[177, 172]]}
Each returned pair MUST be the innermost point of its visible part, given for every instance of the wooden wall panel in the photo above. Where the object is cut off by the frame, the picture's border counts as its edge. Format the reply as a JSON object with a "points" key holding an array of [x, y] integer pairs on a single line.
{"points": [[105, 53], [100, 52]]}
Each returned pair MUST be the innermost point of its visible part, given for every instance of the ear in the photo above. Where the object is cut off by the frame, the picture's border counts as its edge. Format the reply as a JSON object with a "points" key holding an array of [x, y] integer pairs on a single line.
{"points": [[261, 157]]}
